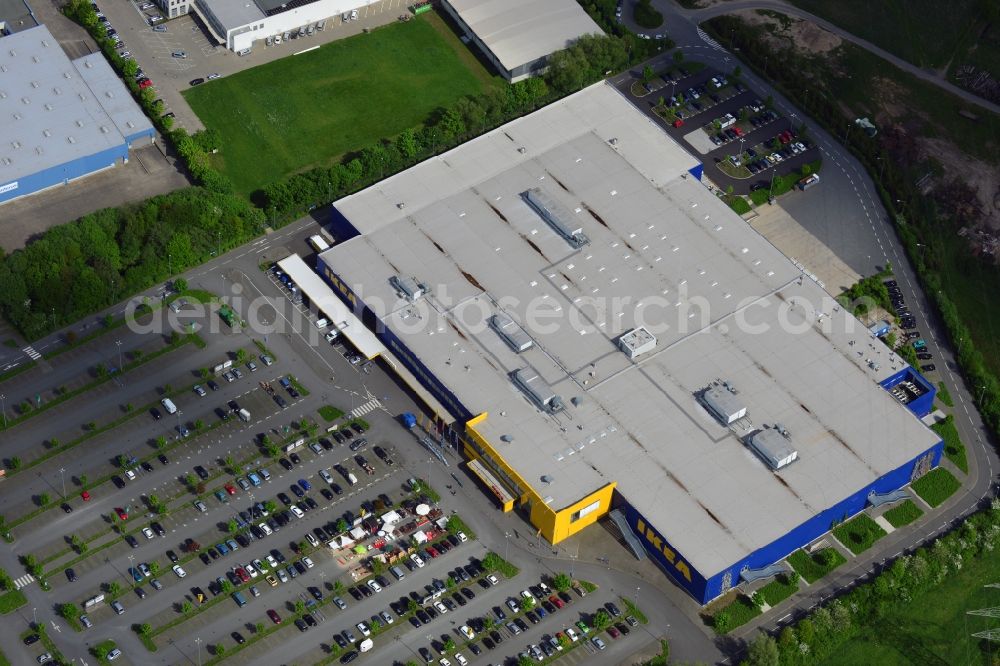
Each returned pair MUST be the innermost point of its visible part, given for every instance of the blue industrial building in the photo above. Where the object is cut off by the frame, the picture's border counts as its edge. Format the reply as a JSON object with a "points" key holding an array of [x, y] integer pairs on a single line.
{"points": [[63, 119], [718, 448]]}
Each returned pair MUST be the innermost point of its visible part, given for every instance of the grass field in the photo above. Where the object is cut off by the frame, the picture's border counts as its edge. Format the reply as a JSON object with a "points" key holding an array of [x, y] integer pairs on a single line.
{"points": [[936, 486], [815, 566], [954, 449], [859, 533], [904, 514], [933, 629], [925, 32], [778, 590], [310, 109]]}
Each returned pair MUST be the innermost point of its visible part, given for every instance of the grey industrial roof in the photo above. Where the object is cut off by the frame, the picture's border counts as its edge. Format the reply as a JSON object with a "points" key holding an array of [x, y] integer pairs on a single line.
{"points": [[50, 113], [232, 14], [521, 31], [665, 253]]}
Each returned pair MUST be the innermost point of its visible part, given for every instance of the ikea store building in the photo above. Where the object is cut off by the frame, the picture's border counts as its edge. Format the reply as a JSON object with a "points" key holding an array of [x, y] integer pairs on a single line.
{"points": [[604, 339]]}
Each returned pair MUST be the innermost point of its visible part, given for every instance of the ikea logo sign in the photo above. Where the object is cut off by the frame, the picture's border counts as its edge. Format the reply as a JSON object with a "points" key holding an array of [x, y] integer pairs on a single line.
{"points": [[659, 545]]}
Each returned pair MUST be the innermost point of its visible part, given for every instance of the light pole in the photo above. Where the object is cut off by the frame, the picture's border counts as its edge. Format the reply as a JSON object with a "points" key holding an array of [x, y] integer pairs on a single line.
{"points": [[198, 642], [506, 547], [3, 404], [131, 558], [121, 368], [62, 473], [34, 617]]}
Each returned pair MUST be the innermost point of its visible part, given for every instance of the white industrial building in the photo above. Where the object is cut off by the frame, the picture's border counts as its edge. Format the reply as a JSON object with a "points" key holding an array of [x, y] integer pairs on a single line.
{"points": [[518, 36], [240, 23]]}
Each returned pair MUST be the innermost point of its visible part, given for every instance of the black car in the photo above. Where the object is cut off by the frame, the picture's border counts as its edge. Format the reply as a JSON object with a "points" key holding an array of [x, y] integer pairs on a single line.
{"points": [[163, 459], [316, 592], [488, 642], [66, 507], [212, 385], [33, 638], [356, 593], [326, 444], [475, 649], [233, 406], [285, 499], [339, 640], [281, 401], [298, 491], [201, 472], [238, 637], [469, 594], [311, 503], [423, 616], [295, 458], [155, 413], [158, 528], [301, 624], [497, 638], [130, 540], [71, 575], [118, 481], [614, 610], [415, 622], [205, 558], [172, 556], [242, 540], [424, 652], [327, 495], [337, 436], [146, 466], [532, 618], [284, 463], [213, 552]]}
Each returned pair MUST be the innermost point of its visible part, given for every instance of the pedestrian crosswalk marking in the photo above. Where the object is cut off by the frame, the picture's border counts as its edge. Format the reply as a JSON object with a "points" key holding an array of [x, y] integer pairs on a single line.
{"points": [[23, 581], [708, 40], [369, 406], [30, 351]]}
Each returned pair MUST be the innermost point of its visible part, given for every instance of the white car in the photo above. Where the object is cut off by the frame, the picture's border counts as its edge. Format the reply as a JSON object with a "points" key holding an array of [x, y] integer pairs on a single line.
{"points": [[441, 607], [296, 511], [259, 566], [467, 632], [493, 579], [213, 76], [512, 605], [251, 570], [308, 562], [461, 537], [444, 661], [313, 541], [282, 576], [264, 528], [325, 475], [179, 571], [573, 636], [386, 617], [198, 504], [461, 659], [199, 390], [130, 473], [273, 563], [375, 586], [148, 533], [363, 628], [416, 559]]}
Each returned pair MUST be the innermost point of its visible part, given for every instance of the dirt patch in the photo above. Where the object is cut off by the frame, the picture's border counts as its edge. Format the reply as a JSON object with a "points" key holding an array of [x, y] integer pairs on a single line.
{"points": [[783, 30], [891, 100], [982, 177]]}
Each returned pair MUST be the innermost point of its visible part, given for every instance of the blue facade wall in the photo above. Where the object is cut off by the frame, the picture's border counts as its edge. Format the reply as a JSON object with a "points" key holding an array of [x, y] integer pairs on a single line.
{"points": [[705, 588], [923, 405], [427, 379], [145, 134], [63, 173]]}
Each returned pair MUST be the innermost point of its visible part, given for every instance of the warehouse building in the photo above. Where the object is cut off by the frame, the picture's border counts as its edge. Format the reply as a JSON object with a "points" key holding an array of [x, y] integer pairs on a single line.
{"points": [[518, 36], [62, 120], [605, 339], [239, 23]]}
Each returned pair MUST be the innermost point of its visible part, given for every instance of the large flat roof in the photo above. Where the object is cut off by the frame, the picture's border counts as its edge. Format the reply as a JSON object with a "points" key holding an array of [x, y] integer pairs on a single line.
{"points": [[521, 31], [726, 307], [55, 110], [232, 14]]}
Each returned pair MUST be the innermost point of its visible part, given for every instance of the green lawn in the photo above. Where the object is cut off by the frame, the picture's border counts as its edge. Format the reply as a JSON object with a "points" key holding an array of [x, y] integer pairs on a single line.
{"points": [[859, 533], [778, 590], [312, 108], [936, 486], [933, 629], [954, 449], [927, 33], [904, 514], [330, 413], [815, 566]]}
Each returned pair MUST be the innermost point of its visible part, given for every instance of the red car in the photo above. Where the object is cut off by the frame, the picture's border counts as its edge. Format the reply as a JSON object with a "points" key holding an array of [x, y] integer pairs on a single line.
{"points": [[85, 495], [273, 614], [242, 573], [431, 551], [738, 131], [145, 83], [230, 489], [614, 633], [556, 601], [678, 123], [121, 513]]}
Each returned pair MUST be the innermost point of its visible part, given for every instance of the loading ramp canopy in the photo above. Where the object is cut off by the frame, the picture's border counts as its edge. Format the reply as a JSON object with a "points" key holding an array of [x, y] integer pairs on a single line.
{"points": [[329, 305]]}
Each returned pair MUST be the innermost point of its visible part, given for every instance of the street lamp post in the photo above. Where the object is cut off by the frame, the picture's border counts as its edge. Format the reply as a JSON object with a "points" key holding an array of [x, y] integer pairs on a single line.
{"points": [[131, 558], [3, 405], [198, 643], [62, 473], [121, 367], [34, 617], [506, 548]]}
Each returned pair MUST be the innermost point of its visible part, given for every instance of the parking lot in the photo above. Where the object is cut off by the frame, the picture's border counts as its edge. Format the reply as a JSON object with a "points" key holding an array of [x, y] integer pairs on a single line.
{"points": [[153, 49], [693, 104]]}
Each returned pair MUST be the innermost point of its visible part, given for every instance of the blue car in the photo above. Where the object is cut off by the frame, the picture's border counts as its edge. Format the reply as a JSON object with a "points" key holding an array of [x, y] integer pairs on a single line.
{"points": [[254, 479], [305, 485], [136, 576]]}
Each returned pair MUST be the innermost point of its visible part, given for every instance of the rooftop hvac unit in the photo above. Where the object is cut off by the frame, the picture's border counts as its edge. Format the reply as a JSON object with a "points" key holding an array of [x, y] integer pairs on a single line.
{"points": [[636, 342], [537, 390], [556, 216], [722, 402], [511, 332], [408, 288], [773, 448]]}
